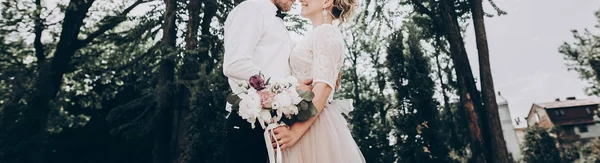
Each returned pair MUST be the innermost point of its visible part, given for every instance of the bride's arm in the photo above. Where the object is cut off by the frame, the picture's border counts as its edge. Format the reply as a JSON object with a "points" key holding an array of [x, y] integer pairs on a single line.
{"points": [[291, 136]]}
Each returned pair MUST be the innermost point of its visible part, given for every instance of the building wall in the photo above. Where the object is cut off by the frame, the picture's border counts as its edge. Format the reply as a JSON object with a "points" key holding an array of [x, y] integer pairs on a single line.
{"points": [[508, 131], [520, 135], [544, 119], [593, 131]]}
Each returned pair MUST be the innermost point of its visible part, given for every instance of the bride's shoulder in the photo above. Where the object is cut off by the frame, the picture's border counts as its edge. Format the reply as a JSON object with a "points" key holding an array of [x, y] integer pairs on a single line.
{"points": [[327, 31], [326, 28]]}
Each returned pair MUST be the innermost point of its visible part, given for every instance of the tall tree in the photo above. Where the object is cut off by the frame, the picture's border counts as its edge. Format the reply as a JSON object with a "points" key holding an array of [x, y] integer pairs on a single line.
{"points": [[540, 147], [445, 17], [165, 139], [419, 138], [490, 113], [189, 74]]}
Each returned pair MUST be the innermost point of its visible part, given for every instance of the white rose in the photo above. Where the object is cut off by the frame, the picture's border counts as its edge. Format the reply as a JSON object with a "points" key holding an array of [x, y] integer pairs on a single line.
{"points": [[294, 96]]}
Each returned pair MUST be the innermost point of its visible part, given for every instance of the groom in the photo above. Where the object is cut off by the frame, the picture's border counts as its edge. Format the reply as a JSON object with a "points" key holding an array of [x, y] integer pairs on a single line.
{"points": [[256, 40]]}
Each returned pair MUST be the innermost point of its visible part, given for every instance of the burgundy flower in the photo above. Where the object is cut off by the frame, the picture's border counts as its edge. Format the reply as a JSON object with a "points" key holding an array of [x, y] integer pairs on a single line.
{"points": [[257, 82]]}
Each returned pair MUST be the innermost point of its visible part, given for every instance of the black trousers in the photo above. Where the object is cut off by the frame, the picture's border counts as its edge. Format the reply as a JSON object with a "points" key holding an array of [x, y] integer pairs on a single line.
{"points": [[244, 144]]}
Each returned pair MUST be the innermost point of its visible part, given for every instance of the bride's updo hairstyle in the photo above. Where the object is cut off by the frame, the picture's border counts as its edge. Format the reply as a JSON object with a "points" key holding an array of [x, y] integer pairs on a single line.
{"points": [[342, 9]]}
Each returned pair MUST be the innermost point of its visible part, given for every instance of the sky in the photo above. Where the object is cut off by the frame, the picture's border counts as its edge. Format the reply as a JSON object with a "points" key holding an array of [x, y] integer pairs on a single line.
{"points": [[526, 65]]}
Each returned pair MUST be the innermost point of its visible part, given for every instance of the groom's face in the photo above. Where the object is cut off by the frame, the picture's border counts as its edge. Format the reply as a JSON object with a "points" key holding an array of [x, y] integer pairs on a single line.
{"points": [[284, 5]]}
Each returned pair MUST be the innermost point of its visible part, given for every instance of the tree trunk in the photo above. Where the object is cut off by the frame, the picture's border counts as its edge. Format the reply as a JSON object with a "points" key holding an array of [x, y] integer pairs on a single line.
{"points": [[189, 73], [210, 11], [467, 89], [165, 143], [38, 29], [496, 141]]}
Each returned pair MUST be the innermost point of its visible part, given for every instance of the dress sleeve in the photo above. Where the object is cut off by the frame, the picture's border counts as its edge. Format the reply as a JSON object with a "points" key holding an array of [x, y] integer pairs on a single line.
{"points": [[327, 50]]}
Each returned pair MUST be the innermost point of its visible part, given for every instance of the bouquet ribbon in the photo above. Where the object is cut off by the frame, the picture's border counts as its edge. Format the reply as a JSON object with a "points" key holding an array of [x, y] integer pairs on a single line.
{"points": [[270, 133]]}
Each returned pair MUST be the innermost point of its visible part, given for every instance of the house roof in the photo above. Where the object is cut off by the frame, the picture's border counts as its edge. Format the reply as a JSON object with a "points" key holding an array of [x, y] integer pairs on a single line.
{"points": [[564, 104], [569, 103]]}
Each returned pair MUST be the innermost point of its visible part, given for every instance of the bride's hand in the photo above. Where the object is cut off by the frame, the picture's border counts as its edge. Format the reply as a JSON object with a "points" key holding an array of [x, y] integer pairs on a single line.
{"points": [[285, 136], [305, 85]]}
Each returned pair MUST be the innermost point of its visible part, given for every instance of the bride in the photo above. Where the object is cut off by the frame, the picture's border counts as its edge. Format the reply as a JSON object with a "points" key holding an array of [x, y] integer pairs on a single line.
{"points": [[325, 137]]}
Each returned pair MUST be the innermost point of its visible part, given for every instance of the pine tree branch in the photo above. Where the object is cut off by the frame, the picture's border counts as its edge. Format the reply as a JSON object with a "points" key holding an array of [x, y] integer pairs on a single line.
{"points": [[137, 59], [110, 22], [422, 9]]}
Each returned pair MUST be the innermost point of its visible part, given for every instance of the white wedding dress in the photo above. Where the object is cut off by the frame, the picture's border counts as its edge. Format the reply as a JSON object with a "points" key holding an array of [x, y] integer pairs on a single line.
{"points": [[319, 57]]}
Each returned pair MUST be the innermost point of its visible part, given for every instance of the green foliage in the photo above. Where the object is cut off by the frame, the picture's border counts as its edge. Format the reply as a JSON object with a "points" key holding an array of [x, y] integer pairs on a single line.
{"points": [[591, 151], [583, 56], [540, 146], [416, 120]]}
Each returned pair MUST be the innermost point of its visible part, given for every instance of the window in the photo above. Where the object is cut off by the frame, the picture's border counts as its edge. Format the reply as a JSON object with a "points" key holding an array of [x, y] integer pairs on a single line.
{"points": [[559, 112], [537, 117], [588, 110], [583, 129]]}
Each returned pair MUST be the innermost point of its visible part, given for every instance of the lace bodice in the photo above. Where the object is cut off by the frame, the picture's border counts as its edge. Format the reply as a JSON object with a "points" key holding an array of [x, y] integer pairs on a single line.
{"points": [[319, 56]]}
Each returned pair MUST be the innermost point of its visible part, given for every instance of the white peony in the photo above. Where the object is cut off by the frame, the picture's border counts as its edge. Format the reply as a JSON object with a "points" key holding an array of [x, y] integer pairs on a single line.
{"points": [[250, 107], [282, 100], [265, 116], [294, 96]]}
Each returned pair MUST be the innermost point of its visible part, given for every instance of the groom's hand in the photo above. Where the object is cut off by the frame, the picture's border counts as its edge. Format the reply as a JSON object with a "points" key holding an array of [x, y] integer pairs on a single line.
{"points": [[285, 137], [305, 85]]}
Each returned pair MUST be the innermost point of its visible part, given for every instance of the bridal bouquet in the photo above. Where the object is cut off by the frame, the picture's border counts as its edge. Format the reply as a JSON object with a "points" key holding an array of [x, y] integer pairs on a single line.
{"points": [[272, 101]]}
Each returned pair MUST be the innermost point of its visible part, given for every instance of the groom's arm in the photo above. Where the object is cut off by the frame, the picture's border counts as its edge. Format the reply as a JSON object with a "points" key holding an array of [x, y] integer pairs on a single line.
{"points": [[243, 30]]}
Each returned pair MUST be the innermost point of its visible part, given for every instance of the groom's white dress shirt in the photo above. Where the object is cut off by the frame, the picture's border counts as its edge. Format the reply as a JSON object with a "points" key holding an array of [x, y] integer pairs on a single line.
{"points": [[255, 41]]}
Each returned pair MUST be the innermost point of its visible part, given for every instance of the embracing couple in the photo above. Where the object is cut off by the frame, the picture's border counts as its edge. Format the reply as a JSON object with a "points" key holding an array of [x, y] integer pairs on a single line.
{"points": [[257, 41]]}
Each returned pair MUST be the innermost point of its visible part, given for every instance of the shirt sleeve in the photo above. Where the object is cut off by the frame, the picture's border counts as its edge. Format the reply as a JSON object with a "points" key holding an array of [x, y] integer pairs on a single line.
{"points": [[328, 50], [243, 30]]}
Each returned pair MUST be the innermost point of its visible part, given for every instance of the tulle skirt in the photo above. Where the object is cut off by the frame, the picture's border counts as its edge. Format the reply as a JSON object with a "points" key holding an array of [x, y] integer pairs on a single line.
{"points": [[328, 140]]}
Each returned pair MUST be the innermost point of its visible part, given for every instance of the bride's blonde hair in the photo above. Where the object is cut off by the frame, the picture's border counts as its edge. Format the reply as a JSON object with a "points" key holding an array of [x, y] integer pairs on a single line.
{"points": [[342, 9]]}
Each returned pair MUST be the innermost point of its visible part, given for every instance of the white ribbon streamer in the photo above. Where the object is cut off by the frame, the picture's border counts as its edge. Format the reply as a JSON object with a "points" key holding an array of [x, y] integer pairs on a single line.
{"points": [[270, 148], [345, 105]]}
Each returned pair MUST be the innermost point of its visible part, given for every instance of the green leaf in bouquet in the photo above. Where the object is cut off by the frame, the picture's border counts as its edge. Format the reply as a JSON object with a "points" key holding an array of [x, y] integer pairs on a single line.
{"points": [[306, 110], [233, 99], [306, 95], [268, 80], [312, 109], [303, 115], [303, 105]]}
